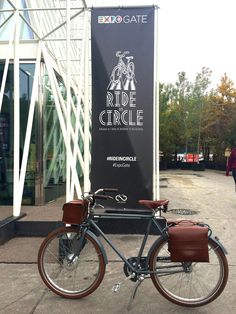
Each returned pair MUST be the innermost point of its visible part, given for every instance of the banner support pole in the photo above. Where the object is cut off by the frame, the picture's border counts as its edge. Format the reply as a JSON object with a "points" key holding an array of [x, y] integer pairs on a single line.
{"points": [[156, 175], [86, 111]]}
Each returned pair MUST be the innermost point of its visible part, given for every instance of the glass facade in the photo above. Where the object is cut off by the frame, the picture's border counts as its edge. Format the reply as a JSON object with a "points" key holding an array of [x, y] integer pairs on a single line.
{"points": [[6, 134], [6, 30], [54, 152]]}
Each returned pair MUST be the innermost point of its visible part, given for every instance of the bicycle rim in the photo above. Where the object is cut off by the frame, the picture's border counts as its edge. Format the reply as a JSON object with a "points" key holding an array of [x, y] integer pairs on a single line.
{"points": [[198, 286], [68, 269]]}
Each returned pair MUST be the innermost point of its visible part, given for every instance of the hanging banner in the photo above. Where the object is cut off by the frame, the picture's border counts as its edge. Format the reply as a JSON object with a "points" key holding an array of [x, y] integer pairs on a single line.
{"points": [[122, 102]]}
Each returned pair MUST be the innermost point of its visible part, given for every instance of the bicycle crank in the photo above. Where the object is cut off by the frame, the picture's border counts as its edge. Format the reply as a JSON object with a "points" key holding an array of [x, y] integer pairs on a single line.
{"points": [[133, 261]]}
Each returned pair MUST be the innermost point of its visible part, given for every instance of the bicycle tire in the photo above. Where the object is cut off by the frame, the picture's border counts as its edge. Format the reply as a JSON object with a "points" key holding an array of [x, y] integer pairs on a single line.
{"points": [[130, 70], [199, 286], [116, 75], [66, 270]]}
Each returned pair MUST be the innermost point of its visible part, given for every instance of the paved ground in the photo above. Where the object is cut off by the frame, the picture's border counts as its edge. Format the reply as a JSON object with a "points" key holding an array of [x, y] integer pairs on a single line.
{"points": [[211, 194]]}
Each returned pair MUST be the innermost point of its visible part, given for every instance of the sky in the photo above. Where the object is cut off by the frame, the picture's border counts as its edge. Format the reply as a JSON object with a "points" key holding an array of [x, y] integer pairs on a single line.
{"points": [[193, 34]]}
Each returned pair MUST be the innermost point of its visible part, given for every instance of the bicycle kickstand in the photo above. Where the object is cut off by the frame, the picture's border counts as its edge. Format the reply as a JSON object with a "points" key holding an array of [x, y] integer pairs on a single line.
{"points": [[134, 291]]}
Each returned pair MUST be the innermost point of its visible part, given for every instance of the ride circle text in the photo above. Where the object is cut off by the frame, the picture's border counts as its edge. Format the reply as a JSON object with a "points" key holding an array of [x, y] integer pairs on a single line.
{"points": [[121, 110]]}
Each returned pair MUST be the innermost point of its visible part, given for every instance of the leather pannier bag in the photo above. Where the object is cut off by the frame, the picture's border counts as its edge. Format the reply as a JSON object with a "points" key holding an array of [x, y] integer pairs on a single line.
{"points": [[188, 242], [75, 212]]}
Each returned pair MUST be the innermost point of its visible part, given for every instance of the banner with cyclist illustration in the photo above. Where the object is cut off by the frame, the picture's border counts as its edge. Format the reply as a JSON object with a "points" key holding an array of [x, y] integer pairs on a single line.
{"points": [[122, 42]]}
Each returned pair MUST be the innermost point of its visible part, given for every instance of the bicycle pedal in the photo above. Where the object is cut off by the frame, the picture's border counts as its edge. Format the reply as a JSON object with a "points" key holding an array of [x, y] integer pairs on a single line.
{"points": [[116, 287]]}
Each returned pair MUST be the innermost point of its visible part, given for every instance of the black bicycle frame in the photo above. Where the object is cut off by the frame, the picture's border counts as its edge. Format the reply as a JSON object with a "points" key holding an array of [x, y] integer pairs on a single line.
{"points": [[151, 220]]}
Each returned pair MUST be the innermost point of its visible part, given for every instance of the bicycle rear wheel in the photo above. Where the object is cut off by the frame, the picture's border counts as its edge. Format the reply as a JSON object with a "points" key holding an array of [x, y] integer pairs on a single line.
{"points": [[70, 266], [189, 284]]}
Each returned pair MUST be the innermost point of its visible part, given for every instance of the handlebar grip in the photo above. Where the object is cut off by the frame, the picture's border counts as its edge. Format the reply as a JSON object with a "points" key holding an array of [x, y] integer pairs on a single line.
{"points": [[110, 190]]}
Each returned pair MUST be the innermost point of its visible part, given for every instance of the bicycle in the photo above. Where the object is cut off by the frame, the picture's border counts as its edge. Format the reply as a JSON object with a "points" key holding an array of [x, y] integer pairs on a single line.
{"points": [[72, 259], [123, 74]]}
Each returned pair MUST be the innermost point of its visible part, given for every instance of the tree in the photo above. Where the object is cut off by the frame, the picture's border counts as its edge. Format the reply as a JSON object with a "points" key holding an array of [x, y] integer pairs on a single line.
{"points": [[220, 119], [181, 111]]}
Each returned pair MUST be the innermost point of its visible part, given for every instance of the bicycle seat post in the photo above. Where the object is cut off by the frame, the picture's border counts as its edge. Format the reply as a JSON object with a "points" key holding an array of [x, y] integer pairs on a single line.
{"points": [[157, 212]]}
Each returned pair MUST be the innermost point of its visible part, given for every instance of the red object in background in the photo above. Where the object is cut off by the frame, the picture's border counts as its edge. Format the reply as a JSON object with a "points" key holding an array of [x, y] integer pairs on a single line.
{"points": [[192, 158]]}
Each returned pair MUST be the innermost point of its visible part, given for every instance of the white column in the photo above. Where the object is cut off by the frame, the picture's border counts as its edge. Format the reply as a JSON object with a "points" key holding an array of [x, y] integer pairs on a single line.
{"points": [[78, 112], [69, 191], [16, 158]]}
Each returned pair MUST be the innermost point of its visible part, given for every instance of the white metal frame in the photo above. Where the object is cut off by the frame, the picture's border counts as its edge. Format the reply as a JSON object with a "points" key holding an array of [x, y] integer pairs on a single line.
{"points": [[76, 77]]}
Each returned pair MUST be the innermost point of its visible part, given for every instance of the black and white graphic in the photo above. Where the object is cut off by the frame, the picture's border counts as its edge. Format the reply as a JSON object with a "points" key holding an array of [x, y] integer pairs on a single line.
{"points": [[123, 76], [121, 98], [122, 102], [121, 198]]}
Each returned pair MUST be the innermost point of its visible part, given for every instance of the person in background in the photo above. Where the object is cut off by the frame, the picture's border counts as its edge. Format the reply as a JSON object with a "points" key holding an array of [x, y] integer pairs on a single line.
{"points": [[232, 165]]}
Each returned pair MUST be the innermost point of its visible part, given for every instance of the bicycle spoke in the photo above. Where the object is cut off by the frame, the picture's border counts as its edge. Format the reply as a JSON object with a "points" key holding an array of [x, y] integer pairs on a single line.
{"points": [[67, 269], [195, 283]]}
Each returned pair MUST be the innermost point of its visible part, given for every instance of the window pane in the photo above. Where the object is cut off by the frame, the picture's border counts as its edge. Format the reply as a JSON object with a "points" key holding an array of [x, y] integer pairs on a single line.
{"points": [[7, 133]]}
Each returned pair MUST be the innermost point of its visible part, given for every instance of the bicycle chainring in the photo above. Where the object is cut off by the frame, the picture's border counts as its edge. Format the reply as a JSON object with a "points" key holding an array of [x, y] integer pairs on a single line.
{"points": [[133, 261]]}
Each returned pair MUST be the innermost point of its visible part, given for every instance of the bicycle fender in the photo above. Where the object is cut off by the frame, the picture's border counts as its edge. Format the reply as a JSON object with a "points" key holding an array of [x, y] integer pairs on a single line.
{"points": [[92, 235], [155, 243], [218, 243]]}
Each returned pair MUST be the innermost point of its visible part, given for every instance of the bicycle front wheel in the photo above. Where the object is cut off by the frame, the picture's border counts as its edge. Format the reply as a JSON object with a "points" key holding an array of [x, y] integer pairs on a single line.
{"points": [[189, 284], [69, 265], [116, 74]]}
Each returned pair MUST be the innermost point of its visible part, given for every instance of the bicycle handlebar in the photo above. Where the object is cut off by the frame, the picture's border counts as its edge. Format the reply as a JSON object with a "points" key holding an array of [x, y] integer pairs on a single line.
{"points": [[100, 194], [104, 197], [104, 190], [119, 54], [112, 190]]}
